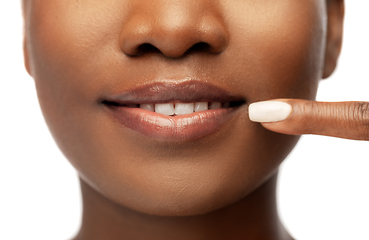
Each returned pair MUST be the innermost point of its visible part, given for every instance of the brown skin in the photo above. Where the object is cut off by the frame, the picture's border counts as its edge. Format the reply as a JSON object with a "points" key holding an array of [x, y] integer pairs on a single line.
{"points": [[218, 187], [348, 120]]}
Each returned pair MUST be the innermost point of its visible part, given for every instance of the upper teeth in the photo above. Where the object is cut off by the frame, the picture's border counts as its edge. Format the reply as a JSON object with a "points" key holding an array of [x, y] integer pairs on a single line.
{"points": [[180, 108]]}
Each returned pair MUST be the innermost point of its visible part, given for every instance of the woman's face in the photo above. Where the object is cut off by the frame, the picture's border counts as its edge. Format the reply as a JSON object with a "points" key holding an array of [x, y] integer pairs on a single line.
{"points": [[97, 63]]}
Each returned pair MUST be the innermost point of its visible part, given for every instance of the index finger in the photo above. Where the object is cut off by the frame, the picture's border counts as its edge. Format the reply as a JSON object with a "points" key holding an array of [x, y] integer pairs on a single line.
{"points": [[295, 116]]}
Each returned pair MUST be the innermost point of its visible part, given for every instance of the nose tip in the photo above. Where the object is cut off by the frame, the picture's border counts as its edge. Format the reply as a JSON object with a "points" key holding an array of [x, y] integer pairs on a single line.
{"points": [[174, 32]]}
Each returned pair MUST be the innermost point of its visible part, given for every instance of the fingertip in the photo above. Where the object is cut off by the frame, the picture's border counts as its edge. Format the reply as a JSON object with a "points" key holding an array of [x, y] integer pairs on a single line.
{"points": [[269, 111]]}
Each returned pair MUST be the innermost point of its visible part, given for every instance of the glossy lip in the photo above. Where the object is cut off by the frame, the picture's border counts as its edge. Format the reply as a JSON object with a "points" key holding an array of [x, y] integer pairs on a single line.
{"points": [[172, 128]]}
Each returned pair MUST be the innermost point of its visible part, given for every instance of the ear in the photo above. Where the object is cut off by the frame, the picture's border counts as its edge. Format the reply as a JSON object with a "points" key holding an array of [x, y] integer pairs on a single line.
{"points": [[25, 55], [25, 47], [335, 12]]}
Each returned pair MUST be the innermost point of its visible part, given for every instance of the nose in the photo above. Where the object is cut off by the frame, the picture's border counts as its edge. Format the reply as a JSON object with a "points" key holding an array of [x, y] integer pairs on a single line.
{"points": [[174, 28]]}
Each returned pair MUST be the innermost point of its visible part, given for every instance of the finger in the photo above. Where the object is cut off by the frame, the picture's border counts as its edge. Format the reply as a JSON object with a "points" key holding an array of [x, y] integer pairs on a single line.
{"points": [[294, 116]]}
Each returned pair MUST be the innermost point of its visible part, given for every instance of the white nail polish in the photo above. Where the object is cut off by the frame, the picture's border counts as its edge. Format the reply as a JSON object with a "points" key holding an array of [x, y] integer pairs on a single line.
{"points": [[269, 111]]}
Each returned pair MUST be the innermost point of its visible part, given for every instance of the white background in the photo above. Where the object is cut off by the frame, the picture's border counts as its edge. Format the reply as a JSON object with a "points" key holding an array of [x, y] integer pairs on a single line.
{"points": [[324, 184]]}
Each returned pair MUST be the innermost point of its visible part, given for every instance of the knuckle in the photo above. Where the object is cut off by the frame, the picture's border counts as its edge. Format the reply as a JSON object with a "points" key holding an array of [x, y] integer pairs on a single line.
{"points": [[360, 117]]}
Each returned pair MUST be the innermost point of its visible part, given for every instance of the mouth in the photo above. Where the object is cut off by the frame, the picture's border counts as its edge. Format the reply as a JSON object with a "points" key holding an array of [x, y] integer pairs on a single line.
{"points": [[173, 111]]}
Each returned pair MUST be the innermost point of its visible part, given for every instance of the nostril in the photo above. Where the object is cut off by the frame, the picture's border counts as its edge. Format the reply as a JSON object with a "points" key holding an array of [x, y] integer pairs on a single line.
{"points": [[146, 48], [149, 48], [199, 47]]}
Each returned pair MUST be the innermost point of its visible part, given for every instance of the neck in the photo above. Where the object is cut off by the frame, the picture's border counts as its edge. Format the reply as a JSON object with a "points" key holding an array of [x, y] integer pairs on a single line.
{"points": [[254, 217]]}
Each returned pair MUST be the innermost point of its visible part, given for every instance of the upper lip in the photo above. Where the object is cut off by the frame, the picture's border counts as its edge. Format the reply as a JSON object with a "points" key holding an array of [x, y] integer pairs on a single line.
{"points": [[173, 91]]}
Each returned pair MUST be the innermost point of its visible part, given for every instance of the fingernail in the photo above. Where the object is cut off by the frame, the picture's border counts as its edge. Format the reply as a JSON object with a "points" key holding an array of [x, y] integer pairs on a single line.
{"points": [[269, 111]]}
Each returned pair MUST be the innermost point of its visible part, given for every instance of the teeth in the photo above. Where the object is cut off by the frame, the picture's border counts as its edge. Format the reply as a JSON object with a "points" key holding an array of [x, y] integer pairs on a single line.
{"points": [[165, 108], [201, 106], [215, 105], [181, 108], [184, 108], [149, 107]]}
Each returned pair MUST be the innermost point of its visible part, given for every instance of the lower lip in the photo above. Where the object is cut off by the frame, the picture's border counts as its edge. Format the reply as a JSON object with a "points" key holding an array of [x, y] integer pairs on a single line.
{"points": [[172, 128]]}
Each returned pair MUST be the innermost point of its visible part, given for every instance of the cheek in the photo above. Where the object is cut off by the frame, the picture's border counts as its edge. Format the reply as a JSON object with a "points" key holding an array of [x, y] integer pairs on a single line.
{"points": [[69, 39], [281, 47], [72, 44]]}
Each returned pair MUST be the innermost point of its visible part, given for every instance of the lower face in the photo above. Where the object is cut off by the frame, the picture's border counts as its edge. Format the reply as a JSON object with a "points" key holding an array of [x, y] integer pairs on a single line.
{"points": [[92, 93]]}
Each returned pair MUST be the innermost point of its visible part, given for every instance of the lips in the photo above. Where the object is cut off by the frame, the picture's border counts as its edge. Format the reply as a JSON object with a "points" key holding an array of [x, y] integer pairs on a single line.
{"points": [[173, 111]]}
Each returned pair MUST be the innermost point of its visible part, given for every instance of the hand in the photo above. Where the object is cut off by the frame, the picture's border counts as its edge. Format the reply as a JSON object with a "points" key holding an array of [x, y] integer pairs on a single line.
{"points": [[294, 116]]}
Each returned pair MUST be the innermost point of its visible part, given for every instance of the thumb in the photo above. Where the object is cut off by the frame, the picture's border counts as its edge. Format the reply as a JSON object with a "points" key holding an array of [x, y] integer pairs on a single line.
{"points": [[295, 116]]}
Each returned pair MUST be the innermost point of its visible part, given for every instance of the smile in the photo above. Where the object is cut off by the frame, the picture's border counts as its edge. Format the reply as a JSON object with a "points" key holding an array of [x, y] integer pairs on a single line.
{"points": [[173, 111]]}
